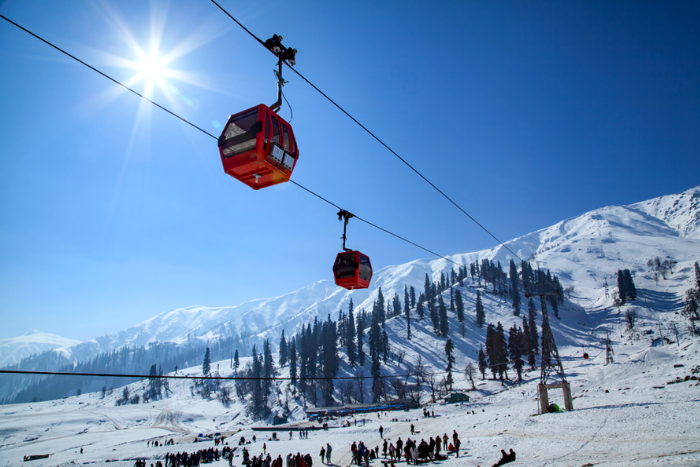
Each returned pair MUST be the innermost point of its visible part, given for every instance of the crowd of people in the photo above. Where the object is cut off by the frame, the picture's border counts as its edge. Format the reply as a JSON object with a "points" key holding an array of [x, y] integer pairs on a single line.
{"points": [[411, 451]]}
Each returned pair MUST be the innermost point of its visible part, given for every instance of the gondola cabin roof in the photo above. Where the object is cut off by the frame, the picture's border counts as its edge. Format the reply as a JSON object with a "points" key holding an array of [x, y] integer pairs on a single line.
{"points": [[258, 147]]}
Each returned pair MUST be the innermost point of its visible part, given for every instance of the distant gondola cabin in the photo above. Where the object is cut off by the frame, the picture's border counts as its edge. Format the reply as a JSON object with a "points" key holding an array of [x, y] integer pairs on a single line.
{"points": [[352, 270], [257, 147]]}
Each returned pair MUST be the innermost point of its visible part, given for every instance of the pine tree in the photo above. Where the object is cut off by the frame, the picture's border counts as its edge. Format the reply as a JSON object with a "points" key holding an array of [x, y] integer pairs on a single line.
{"points": [[500, 348], [329, 340], [350, 339], [377, 384], [621, 289], [444, 326], [449, 352], [258, 398], [630, 288], [236, 361], [412, 293], [434, 316], [419, 308], [374, 337], [380, 307], [292, 362], [460, 306], [406, 301], [482, 362], [396, 305], [516, 290], [206, 365], [452, 301], [268, 367], [490, 353], [360, 338], [515, 349], [697, 275], [480, 315], [283, 351], [427, 288], [553, 300], [524, 275], [407, 312]]}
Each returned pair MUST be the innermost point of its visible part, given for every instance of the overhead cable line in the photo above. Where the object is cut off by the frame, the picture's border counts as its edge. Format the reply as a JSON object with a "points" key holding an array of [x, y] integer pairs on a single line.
{"points": [[209, 377], [214, 137], [370, 133]]}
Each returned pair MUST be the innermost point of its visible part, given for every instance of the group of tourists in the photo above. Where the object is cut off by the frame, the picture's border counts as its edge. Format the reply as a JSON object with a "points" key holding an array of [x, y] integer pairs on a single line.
{"points": [[304, 434], [156, 443], [193, 459], [411, 451], [326, 453]]}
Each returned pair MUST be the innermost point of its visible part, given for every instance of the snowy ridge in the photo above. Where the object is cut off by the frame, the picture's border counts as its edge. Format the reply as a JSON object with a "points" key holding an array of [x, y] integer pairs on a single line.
{"points": [[583, 251], [680, 212], [33, 342]]}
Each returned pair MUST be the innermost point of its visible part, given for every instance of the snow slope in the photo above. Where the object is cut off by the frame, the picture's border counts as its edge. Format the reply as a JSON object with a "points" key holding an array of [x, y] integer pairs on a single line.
{"points": [[626, 413], [14, 349], [584, 251]]}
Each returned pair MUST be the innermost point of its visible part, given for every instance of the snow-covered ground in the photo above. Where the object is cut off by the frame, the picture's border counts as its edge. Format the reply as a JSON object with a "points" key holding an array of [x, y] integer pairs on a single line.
{"points": [[625, 414]]}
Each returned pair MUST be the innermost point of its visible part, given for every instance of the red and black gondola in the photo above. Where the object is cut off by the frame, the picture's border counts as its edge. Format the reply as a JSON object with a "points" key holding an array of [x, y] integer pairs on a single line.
{"points": [[352, 270], [257, 147]]}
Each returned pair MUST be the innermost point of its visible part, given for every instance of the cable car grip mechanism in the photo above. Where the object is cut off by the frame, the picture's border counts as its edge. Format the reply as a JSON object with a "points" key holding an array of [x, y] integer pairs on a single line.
{"points": [[343, 214]]}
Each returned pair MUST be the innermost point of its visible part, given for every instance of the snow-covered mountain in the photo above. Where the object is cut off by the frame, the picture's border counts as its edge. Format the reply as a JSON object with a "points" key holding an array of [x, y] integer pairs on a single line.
{"points": [[14, 349], [583, 251]]}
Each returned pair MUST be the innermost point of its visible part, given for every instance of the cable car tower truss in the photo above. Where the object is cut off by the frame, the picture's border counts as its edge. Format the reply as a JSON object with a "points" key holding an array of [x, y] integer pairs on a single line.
{"points": [[551, 363]]}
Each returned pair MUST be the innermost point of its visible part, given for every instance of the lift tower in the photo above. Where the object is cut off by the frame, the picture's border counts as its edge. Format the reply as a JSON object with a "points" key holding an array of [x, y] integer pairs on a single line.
{"points": [[551, 363]]}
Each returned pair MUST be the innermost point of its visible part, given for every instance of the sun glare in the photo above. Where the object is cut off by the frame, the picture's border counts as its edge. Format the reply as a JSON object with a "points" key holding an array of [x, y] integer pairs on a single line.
{"points": [[152, 68]]}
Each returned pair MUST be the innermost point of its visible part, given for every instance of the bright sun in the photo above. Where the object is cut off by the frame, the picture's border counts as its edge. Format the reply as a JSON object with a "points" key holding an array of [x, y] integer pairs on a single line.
{"points": [[152, 68]]}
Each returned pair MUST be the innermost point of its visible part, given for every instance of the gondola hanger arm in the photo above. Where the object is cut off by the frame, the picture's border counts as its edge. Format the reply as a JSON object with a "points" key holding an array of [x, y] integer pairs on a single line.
{"points": [[343, 214]]}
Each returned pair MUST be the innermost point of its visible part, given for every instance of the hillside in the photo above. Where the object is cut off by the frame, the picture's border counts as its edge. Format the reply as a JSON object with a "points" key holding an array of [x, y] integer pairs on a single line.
{"points": [[14, 349], [583, 251], [639, 410]]}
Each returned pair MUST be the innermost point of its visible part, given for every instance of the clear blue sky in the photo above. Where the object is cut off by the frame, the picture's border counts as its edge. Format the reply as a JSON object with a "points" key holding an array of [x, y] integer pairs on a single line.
{"points": [[525, 113]]}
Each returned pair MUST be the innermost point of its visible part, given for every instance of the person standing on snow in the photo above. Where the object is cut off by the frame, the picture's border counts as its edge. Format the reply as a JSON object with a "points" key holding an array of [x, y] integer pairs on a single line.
{"points": [[328, 453]]}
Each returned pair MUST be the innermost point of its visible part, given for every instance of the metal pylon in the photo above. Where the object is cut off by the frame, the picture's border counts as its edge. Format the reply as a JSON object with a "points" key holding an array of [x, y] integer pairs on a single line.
{"points": [[549, 348], [551, 363]]}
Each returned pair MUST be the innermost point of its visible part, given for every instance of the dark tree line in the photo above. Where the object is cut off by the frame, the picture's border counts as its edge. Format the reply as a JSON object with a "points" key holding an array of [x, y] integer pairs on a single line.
{"points": [[501, 352], [626, 289]]}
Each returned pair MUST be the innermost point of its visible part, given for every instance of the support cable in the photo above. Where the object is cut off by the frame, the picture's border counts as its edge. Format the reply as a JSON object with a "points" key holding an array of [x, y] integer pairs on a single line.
{"points": [[214, 137], [371, 134]]}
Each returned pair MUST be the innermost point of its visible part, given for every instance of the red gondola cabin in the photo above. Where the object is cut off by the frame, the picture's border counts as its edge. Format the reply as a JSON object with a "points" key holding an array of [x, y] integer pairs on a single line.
{"points": [[258, 147], [352, 270]]}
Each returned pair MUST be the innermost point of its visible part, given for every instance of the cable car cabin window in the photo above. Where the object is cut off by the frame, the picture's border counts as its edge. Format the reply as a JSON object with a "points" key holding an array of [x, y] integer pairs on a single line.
{"points": [[285, 133], [275, 131], [292, 143], [345, 266], [240, 134], [365, 268]]}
